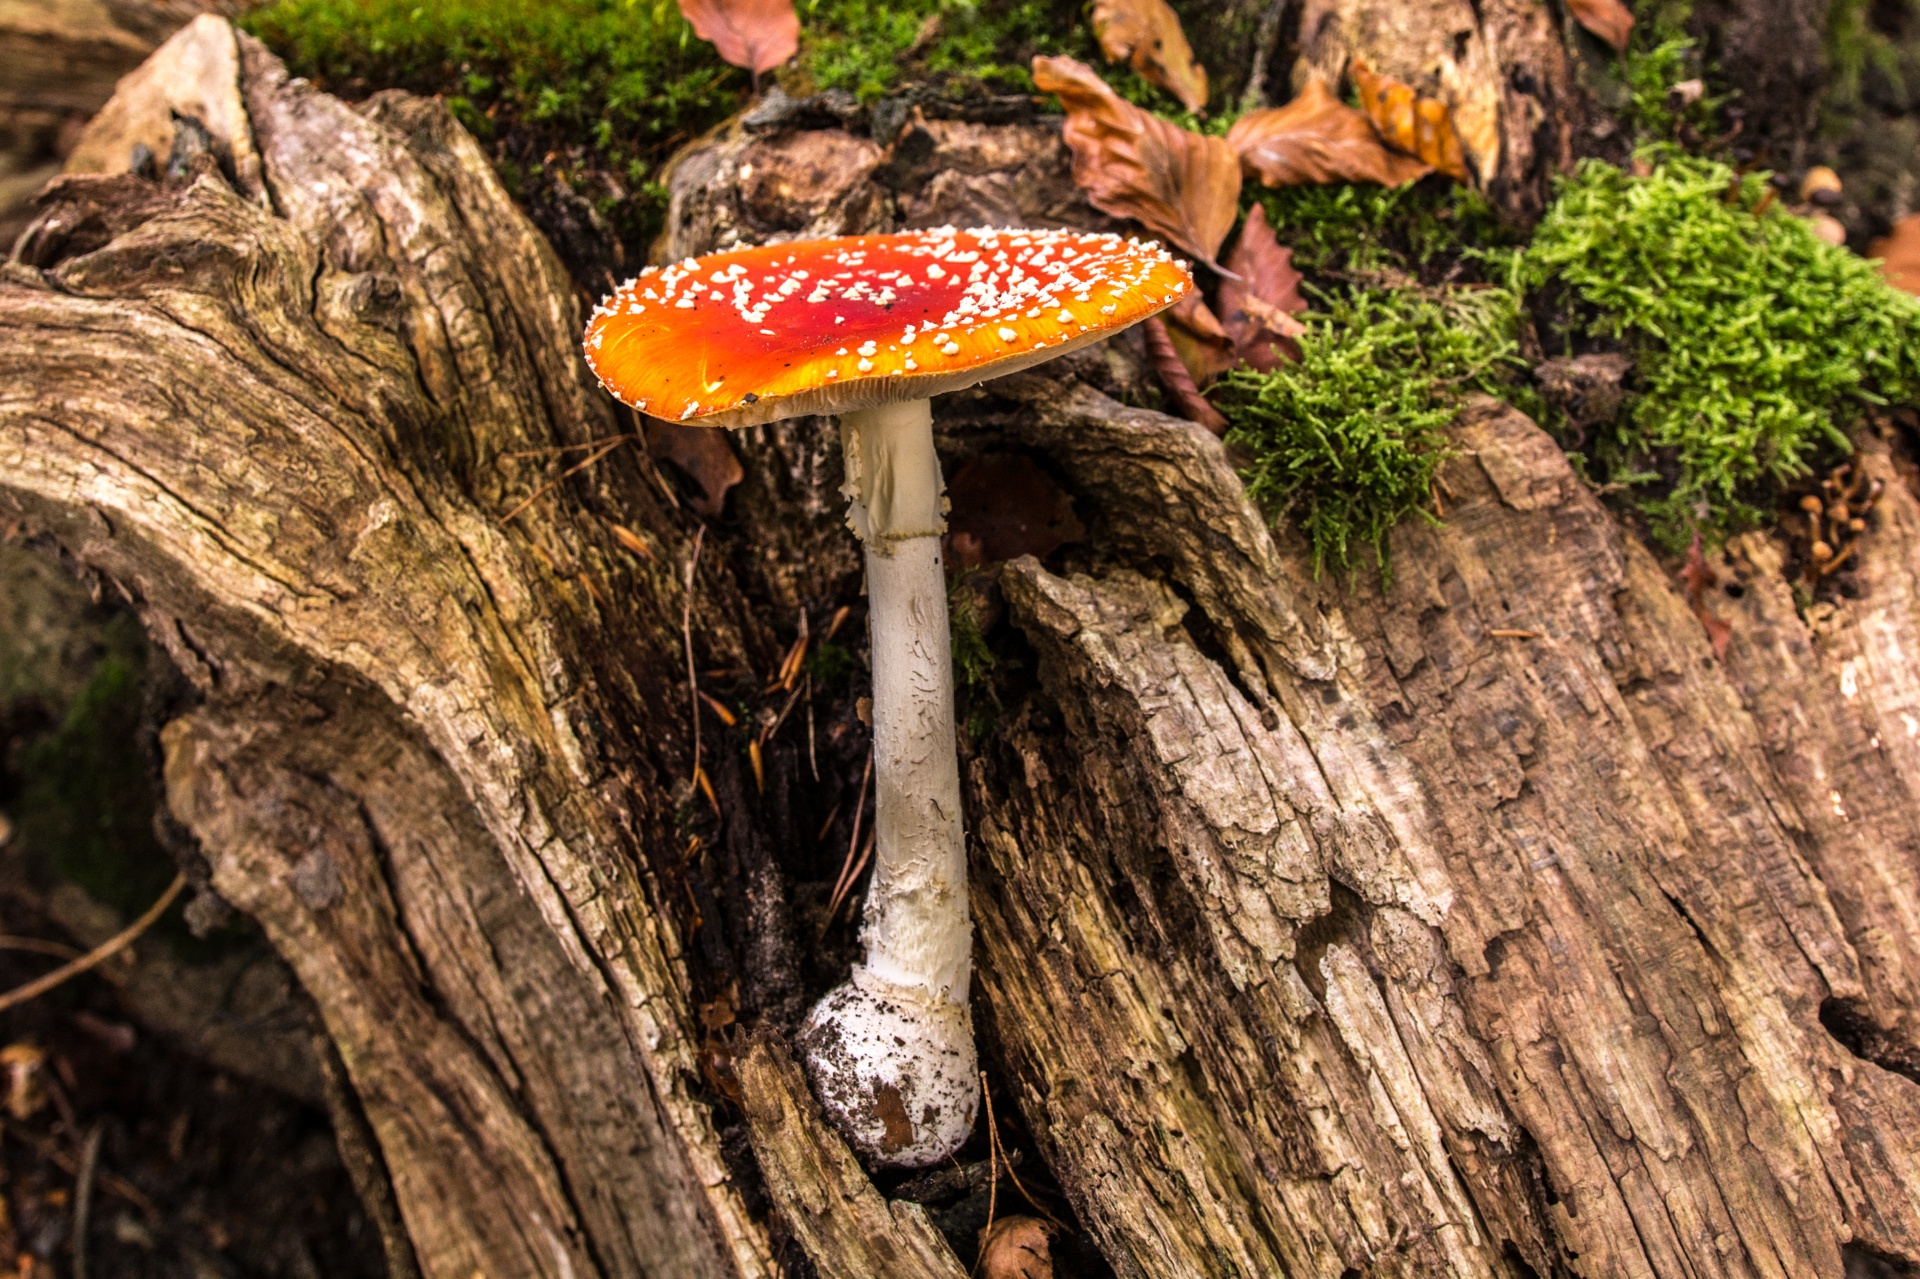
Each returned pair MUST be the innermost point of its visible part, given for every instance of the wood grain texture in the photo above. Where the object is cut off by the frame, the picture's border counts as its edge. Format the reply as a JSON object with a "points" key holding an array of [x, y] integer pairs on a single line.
{"points": [[849, 1229], [289, 435]]}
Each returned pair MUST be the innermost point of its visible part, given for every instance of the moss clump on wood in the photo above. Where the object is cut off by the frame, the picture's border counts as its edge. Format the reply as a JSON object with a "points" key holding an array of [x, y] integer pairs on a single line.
{"points": [[84, 796], [1757, 344], [1347, 441], [1435, 229]]}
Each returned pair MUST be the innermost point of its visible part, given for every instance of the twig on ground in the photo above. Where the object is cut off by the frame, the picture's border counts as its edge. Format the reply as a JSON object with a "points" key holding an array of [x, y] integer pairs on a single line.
{"points": [[83, 1197], [554, 483], [842, 884], [98, 955], [813, 757], [48, 1149], [567, 448], [686, 634], [37, 946], [993, 1155], [841, 897]]}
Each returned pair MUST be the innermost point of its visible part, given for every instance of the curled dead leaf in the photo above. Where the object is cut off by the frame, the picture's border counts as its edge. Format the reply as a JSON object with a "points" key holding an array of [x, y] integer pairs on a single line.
{"points": [[1260, 304], [1146, 35], [1017, 1248], [1899, 254], [1199, 339], [1698, 577], [1608, 19], [1409, 123], [705, 454], [1317, 138], [1177, 382], [756, 34], [1177, 183]]}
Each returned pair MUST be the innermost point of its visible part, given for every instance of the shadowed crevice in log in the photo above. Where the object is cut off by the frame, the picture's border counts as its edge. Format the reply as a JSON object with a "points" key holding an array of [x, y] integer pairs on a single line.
{"points": [[1856, 1031]]}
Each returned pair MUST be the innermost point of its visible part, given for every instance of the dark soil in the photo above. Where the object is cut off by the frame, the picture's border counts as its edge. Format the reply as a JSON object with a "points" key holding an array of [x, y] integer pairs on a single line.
{"points": [[199, 1175]]}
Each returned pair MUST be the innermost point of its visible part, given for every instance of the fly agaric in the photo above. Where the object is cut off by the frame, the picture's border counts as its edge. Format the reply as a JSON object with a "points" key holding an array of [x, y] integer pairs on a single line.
{"points": [[870, 327]]}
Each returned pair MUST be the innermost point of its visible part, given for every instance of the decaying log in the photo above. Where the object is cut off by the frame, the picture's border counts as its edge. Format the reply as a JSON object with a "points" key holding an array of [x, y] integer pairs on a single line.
{"points": [[1501, 66], [283, 411], [1481, 923], [850, 1229], [1473, 927]]}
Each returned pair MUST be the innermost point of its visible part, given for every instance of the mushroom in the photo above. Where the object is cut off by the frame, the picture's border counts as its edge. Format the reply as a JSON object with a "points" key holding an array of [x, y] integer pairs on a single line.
{"points": [[869, 328]]}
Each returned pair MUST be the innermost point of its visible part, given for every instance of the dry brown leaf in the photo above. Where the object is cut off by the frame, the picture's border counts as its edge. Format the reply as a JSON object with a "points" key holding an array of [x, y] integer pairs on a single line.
{"points": [[1179, 184], [1899, 254], [1200, 339], [1177, 382], [1260, 305], [756, 34], [705, 454], [1408, 122], [1146, 35], [1317, 138], [1608, 19], [1017, 1248], [1698, 577]]}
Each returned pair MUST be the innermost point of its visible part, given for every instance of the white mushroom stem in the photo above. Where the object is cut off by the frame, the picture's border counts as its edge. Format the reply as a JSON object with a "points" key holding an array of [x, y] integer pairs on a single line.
{"points": [[891, 1052]]}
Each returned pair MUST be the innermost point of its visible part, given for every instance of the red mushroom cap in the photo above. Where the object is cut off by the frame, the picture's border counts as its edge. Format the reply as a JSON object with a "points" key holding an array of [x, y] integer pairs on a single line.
{"points": [[825, 326]]}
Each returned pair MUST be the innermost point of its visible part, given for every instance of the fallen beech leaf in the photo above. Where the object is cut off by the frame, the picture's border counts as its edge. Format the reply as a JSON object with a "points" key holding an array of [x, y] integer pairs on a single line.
{"points": [[1146, 35], [1317, 138], [1899, 254], [704, 453], [1408, 122], [1017, 1248], [1005, 506], [1608, 19], [1697, 575], [1177, 382], [1179, 184], [1260, 305], [756, 34], [1199, 339]]}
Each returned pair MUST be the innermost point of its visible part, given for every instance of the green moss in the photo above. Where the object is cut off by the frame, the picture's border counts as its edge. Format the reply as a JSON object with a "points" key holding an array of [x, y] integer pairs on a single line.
{"points": [[1658, 117], [1757, 344], [870, 49], [1346, 442], [1361, 227], [571, 88], [974, 664], [85, 799]]}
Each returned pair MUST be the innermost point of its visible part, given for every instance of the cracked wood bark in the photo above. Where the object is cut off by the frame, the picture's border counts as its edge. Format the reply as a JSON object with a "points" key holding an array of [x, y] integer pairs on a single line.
{"points": [[432, 757], [1322, 930]]}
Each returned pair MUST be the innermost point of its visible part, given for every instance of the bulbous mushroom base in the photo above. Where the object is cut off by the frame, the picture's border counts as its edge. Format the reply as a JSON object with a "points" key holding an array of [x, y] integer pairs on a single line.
{"points": [[894, 1067]]}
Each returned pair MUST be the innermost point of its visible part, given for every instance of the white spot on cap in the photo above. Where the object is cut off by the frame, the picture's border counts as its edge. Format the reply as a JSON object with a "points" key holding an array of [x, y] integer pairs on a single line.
{"points": [[951, 348], [864, 366], [1007, 334]]}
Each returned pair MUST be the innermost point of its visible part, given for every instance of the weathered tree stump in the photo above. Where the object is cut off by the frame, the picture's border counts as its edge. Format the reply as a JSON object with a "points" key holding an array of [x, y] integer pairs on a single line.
{"points": [[1486, 923]]}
